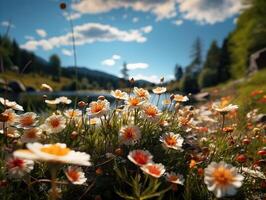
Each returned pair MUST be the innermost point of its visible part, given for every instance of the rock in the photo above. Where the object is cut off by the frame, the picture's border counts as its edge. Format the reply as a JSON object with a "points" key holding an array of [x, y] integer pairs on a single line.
{"points": [[30, 89], [2, 81], [203, 96], [260, 118], [257, 61], [17, 86], [4, 87]]}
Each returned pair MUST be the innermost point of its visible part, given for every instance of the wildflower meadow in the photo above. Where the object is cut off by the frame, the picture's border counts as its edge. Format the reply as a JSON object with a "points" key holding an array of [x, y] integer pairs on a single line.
{"points": [[134, 100], [131, 149]]}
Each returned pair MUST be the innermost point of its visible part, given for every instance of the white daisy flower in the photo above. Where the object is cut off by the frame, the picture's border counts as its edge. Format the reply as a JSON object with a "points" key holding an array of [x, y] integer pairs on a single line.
{"points": [[98, 108], [134, 102], [151, 112], [73, 113], [56, 153], [75, 175], [172, 177], [140, 157], [27, 120], [31, 135], [118, 94], [54, 124], [222, 179], [141, 93], [159, 90], [11, 104], [153, 169], [223, 107], [52, 102], [18, 167], [171, 140], [129, 135], [180, 98], [10, 132], [11, 116], [64, 100]]}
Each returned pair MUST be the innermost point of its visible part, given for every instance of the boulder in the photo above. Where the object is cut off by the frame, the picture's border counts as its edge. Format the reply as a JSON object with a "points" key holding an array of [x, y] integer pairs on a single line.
{"points": [[30, 89], [257, 61], [17, 86], [260, 118]]}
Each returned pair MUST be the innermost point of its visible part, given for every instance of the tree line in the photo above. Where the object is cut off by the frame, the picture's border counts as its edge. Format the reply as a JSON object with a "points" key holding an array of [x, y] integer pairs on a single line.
{"points": [[231, 59]]}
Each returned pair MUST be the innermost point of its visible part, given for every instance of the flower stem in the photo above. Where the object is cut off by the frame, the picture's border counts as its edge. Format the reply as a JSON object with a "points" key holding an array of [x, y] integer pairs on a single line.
{"points": [[53, 183], [158, 100], [223, 120]]}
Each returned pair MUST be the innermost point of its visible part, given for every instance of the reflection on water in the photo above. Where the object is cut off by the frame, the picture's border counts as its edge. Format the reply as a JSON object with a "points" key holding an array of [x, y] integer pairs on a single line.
{"points": [[34, 101]]}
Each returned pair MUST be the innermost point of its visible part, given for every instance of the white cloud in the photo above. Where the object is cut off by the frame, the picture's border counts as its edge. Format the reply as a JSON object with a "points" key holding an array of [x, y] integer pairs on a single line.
{"points": [[178, 22], [151, 78], [73, 16], [7, 24], [116, 57], [162, 9], [28, 37], [147, 29], [202, 11], [135, 19], [90, 33], [108, 62], [41, 32], [209, 11], [67, 52], [133, 66], [111, 61]]}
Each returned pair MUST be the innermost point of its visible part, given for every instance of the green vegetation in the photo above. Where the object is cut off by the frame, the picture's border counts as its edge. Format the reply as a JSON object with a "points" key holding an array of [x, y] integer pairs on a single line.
{"points": [[247, 93], [35, 80], [231, 60], [248, 37]]}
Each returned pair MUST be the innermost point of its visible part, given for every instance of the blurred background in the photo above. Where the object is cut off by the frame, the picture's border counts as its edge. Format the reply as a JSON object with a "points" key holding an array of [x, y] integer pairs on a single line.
{"points": [[86, 47]]}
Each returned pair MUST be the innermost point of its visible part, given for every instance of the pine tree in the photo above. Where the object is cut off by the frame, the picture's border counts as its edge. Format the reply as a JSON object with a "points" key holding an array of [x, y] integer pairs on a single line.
{"points": [[178, 72], [55, 65], [196, 56], [124, 71], [224, 66], [209, 74]]}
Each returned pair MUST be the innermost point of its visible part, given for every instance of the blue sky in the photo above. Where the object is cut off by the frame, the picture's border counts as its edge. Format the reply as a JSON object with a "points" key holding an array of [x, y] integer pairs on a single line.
{"points": [[150, 35]]}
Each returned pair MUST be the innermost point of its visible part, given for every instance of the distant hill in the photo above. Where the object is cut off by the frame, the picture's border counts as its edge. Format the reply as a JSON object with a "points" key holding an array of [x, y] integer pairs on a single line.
{"points": [[23, 61]]}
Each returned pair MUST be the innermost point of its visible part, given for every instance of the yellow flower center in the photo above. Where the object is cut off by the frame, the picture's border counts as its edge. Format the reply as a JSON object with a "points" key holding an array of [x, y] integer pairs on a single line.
{"points": [[129, 133], [55, 150], [224, 103], [73, 175], [26, 120], [55, 122], [154, 170], [152, 111], [97, 107], [172, 178], [170, 140], [222, 176], [32, 133], [134, 101], [141, 93], [118, 94]]}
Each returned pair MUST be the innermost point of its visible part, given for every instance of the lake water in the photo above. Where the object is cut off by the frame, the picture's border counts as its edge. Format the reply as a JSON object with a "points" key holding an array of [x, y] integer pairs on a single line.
{"points": [[35, 100]]}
